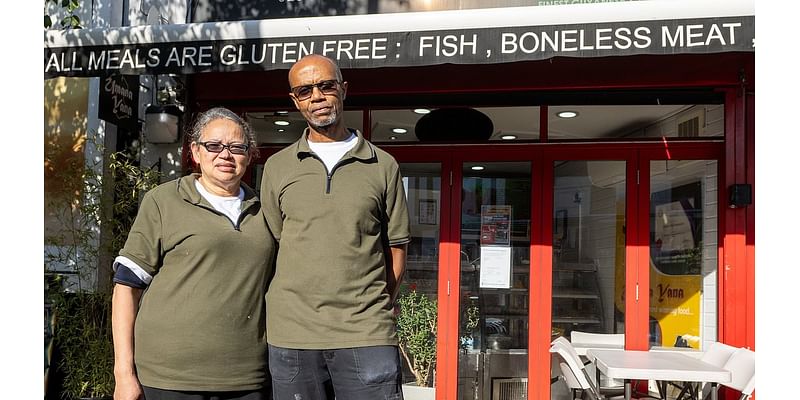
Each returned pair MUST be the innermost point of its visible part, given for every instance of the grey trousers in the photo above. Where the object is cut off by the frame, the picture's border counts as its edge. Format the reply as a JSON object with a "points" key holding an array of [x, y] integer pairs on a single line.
{"points": [[359, 373]]}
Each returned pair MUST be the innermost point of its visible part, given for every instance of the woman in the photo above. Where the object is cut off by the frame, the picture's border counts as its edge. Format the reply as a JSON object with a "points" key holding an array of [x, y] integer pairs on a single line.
{"points": [[188, 306]]}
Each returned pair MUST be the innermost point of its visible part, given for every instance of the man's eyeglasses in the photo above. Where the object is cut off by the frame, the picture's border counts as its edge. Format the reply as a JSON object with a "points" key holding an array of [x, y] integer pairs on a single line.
{"points": [[328, 87], [217, 147]]}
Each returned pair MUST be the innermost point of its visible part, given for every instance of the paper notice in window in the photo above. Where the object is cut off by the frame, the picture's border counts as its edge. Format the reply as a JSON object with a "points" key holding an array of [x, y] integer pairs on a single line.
{"points": [[495, 267]]}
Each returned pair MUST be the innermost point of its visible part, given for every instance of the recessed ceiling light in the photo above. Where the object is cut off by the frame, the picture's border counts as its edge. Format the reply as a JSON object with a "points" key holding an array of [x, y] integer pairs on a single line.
{"points": [[567, 114], [281, 113], [399, 130], [477, 168], [393, 137], [508, 137], [421, 111], [281, 122], [281, 130]]}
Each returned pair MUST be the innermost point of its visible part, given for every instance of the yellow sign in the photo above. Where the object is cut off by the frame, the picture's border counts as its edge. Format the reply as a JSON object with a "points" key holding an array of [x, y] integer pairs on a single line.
{"points": [[675, 305]]}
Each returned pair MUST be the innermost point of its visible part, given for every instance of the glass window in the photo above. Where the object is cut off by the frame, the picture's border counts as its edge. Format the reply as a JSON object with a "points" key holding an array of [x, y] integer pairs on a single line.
{"points": [[284, 127], [588, 247], [65, 135], [455, 124], [422, 182], [683, 253], [635, 121], [71, 187]]}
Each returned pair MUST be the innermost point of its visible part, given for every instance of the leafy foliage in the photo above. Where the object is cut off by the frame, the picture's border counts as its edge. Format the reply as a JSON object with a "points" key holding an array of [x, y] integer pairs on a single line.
{"points": [[79, 212], [416, 331], [82, 329], [130, 182], [83, 336], [471, 318], [469, 323], [70, 20]]}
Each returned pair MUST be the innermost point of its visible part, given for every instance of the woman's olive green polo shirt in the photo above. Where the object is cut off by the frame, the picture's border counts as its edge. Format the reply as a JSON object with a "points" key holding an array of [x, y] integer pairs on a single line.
{"points": [[333, 229], [201, 322]]}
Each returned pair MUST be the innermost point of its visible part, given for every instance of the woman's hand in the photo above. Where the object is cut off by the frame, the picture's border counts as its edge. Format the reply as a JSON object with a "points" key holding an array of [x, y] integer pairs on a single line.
{"points": [[124, 307], [128, 388]]}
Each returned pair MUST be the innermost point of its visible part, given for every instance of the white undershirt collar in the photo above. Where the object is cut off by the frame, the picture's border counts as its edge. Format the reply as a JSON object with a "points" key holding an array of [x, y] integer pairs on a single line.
{"points": [[231, 206], [332, 152]]}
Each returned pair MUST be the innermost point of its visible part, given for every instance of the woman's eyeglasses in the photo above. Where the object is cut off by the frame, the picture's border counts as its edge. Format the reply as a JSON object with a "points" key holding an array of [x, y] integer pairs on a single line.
{"points": [[217, 147], [328, 87]]}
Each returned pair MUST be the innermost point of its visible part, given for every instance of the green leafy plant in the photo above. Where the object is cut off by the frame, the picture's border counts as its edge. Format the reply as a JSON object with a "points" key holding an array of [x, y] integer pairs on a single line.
{"points": [[79, 301], [472, 318], [470, 321], [416, 332], [70, 20], [83, 336]]}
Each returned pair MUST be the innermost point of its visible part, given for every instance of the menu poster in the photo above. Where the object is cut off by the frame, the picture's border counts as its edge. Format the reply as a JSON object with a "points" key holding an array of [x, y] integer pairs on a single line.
{"points": [[495, 267], [496, 225]]}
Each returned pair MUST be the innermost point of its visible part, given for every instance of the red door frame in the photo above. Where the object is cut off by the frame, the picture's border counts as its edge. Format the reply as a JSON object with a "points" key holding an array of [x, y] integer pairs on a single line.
{"points": [[449, 285], [637, 157], [447, 323]]}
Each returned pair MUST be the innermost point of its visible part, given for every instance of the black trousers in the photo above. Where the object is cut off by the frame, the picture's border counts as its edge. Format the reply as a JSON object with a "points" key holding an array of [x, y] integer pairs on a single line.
{"points": [[163, 394]]}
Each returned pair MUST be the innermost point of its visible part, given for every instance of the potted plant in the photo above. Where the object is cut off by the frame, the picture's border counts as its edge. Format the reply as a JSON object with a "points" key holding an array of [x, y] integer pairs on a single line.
{"points": [[82, 354], [470, 334], [416, 332]]}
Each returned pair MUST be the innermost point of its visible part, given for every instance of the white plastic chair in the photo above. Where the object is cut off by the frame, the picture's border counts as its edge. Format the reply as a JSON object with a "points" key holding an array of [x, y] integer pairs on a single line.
{"points": [[717, 355], [742, 365], [562, 341], [589, 338], [599, 340], [574, 371]]}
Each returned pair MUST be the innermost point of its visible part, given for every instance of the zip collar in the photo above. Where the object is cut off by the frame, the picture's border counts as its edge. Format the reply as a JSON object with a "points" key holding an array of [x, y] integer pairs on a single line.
{"points": [[363, 150], [188, 192]]}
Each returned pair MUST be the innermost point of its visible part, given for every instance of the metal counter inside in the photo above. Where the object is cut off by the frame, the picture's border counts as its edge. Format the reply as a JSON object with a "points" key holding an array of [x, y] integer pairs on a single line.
{"points": [[480, 374]]}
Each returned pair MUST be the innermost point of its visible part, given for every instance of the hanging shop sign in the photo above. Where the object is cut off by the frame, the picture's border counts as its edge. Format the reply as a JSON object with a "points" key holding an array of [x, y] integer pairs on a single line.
{"points": [[119, 101], [381, 41]]}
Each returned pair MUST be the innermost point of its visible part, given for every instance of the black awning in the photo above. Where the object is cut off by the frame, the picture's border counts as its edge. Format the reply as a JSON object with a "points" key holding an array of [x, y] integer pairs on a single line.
{"points": [[483, 36]]}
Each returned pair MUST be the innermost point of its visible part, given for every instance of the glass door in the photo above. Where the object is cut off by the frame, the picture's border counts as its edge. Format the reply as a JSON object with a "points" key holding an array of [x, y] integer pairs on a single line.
{"points": [[495, 240], [589, 199], [419, 298], [683, 243]]}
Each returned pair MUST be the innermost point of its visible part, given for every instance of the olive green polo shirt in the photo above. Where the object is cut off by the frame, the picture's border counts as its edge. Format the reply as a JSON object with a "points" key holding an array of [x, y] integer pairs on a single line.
{"points": [[201, 322], [333, 229]]}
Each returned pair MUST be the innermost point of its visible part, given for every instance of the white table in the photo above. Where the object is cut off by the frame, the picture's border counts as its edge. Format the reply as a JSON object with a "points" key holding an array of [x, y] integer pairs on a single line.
{"points": [[656, 365]]}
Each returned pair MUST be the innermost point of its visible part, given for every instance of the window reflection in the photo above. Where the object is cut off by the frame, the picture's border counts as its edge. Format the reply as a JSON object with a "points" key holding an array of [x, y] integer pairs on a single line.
{"points": [[635, 121], [509, 124], [422, 184], [588, 247], [284, 127], [683, 253]]}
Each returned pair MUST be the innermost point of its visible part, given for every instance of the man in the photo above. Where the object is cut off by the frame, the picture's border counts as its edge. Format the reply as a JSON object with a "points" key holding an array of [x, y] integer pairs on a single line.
{"points": [[337, 207]]}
